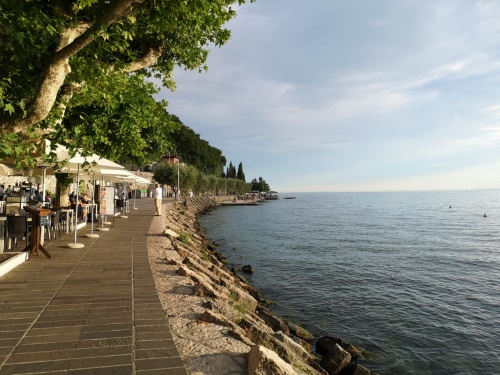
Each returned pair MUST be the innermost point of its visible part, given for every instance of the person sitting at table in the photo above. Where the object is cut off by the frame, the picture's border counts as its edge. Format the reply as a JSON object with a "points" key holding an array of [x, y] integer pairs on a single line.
{"points": [[48, 199], [72, 200], [85, 202]]}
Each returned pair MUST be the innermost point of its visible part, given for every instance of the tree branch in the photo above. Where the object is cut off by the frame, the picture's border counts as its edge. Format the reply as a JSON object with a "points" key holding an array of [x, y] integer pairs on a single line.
{"points": [[117, 10], [150, 58], [72, 41]]}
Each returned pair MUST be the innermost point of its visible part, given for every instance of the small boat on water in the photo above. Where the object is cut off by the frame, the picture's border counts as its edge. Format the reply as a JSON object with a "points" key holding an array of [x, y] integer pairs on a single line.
{"points": [[290, 197]]}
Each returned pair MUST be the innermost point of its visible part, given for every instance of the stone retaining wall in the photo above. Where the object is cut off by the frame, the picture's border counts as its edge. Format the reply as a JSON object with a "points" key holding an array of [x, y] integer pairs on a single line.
{"points": [[277, 346]]}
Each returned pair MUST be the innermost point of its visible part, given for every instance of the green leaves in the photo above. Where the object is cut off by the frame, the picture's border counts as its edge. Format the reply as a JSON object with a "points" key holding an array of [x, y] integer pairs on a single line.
{"points": [[9, 108], [97, 106]]}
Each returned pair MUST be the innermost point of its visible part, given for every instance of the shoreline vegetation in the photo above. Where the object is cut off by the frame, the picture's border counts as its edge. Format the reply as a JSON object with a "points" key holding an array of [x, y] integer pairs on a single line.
{"points": [[220, 323]]}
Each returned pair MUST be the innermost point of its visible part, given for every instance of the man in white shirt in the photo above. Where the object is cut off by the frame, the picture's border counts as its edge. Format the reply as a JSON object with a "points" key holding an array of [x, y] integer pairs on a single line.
{"points": [[157, 193]]}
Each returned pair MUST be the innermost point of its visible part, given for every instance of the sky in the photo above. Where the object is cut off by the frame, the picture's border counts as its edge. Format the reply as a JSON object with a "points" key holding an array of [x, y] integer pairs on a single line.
{"points": [[353, 95]]}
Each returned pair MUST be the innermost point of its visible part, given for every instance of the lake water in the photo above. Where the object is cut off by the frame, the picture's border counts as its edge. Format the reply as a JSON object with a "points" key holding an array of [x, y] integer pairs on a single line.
{"points": [[402, 275]]}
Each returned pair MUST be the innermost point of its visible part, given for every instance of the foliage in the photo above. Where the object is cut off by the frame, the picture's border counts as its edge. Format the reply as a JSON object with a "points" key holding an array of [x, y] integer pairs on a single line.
{"points": [[118, 119], [61, 59], [64, 180], [240, 175], [202, 183], [165, 174], [188, 177], [184, 237], [195, 151], [260, 185], [222, 185], [192, 179], [231, 171]]}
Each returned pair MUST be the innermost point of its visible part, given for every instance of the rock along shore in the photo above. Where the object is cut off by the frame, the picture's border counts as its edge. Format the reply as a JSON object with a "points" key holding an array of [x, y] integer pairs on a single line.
{"points": [[222, 325]]}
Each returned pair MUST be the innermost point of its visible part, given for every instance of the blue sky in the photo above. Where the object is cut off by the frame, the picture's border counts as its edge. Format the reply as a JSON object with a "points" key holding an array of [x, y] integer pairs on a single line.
{"points": [[354, 95]]}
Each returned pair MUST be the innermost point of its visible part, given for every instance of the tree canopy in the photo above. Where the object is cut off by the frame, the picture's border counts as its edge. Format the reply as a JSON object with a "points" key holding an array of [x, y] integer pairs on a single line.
{"points": [[240, 175], [62, 62], [231, 170], [195, 151], [260, 185]]}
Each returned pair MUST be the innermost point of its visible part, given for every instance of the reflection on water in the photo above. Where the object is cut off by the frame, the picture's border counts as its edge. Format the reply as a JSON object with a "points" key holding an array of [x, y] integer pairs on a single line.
{"points": [[412, 281]]}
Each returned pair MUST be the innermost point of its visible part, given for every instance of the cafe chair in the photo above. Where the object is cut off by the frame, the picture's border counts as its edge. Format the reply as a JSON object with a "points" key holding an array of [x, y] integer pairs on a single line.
{"points": [[47, 227], [56, 224], [17, 227], [119, 205]]}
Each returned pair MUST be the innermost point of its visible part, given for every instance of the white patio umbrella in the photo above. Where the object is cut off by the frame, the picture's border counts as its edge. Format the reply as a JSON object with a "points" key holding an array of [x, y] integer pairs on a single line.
{"points": [[94, 173], [139, 180], [94, 163]]}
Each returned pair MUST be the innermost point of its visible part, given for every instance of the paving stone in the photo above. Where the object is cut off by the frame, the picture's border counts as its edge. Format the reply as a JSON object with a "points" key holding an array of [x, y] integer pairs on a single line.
{"points": [[103, 351], [34, 367], [148, 336], [8, 343], [152, 328], [106, 327], [150, 316], [5, 350], [170, 371], [105, 334], [155, 344], [31, 348], [104, 342], [116, 360], [12, 334], [88, 311], [51, 338], [41, 356], [58, 323], [14, 327], [108, 320], [157, 353], [148, 322], [114, 370], [53, 331], [160, 363]]}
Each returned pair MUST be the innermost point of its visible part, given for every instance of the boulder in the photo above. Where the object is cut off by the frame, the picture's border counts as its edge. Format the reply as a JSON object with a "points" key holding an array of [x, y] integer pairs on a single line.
{"points": [[300, 332], [273, 321], [327, 343], [355, 369], [262, 361], [261, 337], [335, 360], [170, 233], [296, 348], [212, 317], [244, 298], [204, 289], [247, 268]]}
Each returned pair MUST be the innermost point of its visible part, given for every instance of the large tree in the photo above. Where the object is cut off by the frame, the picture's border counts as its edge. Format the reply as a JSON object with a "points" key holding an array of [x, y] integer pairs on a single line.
{"points": [[240, 175], [196, 151], [260, 185], [55, 52]]}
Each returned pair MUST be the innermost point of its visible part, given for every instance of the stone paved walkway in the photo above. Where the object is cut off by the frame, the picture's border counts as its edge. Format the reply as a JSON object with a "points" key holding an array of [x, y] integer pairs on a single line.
{"points": [[93, 310]]}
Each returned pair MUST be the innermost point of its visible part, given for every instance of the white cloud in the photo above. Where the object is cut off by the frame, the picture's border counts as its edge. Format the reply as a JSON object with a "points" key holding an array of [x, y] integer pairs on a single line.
{"points": [[398, 88]]}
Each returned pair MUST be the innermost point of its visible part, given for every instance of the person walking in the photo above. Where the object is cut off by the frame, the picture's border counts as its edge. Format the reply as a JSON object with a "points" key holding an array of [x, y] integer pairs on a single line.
{"points": [[157, 193]]}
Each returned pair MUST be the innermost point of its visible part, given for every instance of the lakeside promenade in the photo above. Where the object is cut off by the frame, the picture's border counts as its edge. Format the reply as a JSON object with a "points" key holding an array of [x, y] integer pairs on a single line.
{"points": [[93, 310]]}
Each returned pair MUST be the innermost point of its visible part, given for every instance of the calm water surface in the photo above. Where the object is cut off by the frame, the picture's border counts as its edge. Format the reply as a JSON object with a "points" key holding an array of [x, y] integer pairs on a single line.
{"points": [[402, 275]]}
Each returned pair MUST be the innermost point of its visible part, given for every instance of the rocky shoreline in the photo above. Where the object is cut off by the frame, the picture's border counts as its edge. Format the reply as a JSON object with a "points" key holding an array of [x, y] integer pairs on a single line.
{"points": [[222, 325]]}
